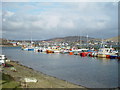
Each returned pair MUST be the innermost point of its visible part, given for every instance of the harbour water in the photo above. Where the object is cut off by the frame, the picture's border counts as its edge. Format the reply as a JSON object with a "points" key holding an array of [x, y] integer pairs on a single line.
{"points": [[85, 71]]}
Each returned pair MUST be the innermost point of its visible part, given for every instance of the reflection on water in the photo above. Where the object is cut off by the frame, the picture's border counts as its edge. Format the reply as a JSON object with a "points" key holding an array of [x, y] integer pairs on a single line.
{"points": [[86, 71]]}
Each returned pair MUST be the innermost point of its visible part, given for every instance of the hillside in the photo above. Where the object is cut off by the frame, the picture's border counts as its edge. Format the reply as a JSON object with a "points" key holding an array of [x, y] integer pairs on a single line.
{"points": [[71, 39], [115, 39], [63, 39]]}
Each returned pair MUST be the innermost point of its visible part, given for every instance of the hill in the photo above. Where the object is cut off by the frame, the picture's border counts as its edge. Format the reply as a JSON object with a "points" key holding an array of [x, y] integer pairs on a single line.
{"points": [[71, 39], [114, 39]]}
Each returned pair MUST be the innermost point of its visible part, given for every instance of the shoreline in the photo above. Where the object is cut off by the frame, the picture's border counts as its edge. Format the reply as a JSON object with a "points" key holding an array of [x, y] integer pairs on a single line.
{"points": [[8, 46], [43, 80]]}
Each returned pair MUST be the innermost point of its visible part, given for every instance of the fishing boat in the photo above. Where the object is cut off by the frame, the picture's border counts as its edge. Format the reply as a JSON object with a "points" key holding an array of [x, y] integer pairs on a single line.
{"points": [[113, 56], [56, 51], [107, 53], [83, 52], [77, 52], [101, 55], [65, 51], [28, 48], [93, 54], [49, 51]]}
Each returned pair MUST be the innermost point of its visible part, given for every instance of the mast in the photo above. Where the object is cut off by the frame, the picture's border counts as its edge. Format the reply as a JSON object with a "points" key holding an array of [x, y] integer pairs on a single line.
{"points": [[102, 45], [80, 41], [110, 46], [87, 40], [31, 37]]}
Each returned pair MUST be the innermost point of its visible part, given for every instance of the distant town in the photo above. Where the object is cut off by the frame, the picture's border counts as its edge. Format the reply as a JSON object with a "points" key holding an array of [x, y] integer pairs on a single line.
{"points": [[76, 41]]}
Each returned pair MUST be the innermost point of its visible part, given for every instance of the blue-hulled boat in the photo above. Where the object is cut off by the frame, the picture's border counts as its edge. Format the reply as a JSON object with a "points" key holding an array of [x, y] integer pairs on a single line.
{"points": [[113, 56], [30, 49]]}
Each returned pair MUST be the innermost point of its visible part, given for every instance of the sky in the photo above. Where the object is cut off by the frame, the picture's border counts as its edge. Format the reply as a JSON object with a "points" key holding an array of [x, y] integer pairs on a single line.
{"points": [[44, 20]]}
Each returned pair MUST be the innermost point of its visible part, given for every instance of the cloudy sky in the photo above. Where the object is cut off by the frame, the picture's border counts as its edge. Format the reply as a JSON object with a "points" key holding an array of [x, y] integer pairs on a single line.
{"points": [[44, 20]]}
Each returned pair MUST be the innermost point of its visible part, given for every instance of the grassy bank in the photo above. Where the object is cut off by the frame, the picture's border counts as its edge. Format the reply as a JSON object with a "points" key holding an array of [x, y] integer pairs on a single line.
{"points": [[8, 81], [43, 81]]}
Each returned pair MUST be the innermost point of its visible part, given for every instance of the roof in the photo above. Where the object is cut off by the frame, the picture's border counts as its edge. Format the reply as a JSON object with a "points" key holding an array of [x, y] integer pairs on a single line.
{"points": [[13, 42]]}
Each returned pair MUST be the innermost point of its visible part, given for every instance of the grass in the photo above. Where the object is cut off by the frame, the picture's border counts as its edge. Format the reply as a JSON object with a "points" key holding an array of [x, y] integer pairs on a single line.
{"points": [[8, 82], [11, 84]]}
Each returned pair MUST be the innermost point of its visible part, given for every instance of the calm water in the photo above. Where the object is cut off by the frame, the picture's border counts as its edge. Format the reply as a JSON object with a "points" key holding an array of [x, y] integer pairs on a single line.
{"points": [[85, 71]]}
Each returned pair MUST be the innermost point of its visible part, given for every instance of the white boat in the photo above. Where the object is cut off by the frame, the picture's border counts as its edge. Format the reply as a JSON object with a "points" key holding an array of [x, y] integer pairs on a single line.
{"points": [[2, 59], [28, 48], [83, 50], [64, 51], [56, 51], [30, 80], [103, 52]]}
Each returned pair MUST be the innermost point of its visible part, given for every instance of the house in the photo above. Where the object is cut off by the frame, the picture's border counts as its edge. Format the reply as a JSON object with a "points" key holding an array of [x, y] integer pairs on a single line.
{"points": [[14, 43]]}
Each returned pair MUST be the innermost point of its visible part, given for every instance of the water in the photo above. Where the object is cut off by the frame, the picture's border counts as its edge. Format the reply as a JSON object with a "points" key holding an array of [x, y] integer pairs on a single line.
{"points": [[85, 71]]}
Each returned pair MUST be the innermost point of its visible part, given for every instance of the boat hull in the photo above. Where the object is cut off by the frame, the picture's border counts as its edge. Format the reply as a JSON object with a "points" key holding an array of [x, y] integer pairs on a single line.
{"points": [[101, 55], [49, 51], [113, 57], [31, 49], [107, 56]]}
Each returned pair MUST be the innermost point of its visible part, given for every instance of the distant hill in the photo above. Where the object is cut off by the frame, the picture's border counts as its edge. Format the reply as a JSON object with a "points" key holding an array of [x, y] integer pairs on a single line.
{"points": [[71, 39], [115, 39], [63, 39]]}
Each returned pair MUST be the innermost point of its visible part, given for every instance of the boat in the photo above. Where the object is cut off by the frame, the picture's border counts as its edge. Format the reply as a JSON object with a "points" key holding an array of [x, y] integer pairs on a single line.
{"points": [[77, 52], [83, 52], [101, 55], [65, 51], [118, 57], [56, 51], [49, 51], [28, 48], [113, 56], [93, 54], [2, 57], [107, 53], [2, 60], [107, 56], [71, 53]]}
